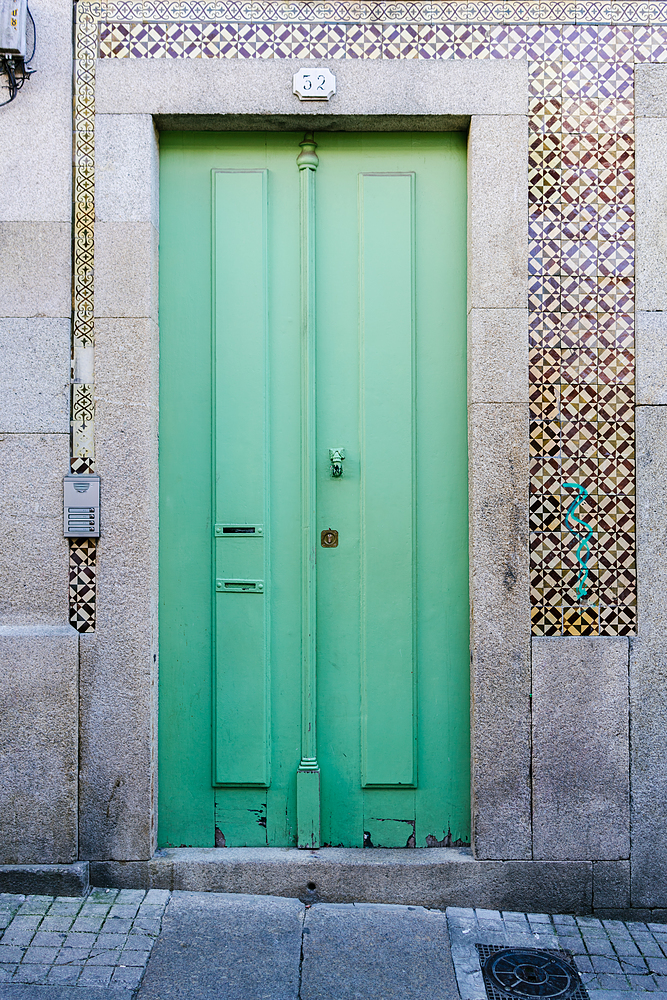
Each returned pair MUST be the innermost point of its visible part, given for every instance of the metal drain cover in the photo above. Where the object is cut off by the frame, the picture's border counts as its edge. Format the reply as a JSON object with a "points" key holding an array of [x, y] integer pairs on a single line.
{"points": [[525, 973]]}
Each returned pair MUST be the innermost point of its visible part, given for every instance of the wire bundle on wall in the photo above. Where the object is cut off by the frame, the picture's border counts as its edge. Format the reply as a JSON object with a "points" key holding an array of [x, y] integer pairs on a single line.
{"points": [[17, 69]]}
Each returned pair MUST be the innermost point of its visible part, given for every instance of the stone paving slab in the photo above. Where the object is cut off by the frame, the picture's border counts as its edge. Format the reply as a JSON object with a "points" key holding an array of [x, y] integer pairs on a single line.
{"points": [[616, 960], [365, 951], [220, 946], [102, 940], [18, 992]]}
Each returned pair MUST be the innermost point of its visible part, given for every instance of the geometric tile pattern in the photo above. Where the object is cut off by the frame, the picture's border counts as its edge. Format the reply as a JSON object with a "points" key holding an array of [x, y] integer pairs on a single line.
{"points": [[82, 581], [581, 302], [581, 225]]}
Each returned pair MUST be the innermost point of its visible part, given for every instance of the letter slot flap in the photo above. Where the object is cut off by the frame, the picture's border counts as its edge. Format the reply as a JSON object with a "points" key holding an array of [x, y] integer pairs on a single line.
{"points": [[239, 530], [236, 586], [81, 495]]}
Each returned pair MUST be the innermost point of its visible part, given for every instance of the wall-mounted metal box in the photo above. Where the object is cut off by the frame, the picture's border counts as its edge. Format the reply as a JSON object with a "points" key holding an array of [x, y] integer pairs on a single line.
{"points": [[82, 506], [13, 15]]}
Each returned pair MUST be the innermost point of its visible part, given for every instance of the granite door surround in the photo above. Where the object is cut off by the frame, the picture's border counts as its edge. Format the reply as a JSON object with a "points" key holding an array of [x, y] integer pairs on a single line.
{"points": [[133, 99]]}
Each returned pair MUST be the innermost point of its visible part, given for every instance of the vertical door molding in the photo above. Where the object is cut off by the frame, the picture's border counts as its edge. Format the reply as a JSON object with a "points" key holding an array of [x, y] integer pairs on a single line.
{"points": [[308, 774]]}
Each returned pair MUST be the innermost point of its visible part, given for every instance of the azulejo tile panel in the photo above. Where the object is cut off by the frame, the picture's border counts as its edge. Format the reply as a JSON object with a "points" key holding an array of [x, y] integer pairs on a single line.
{"points": [[581, 222], [82, 584]]}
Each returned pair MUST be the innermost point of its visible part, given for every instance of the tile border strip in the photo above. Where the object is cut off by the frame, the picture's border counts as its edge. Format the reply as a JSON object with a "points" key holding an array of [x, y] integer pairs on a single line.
{"points": [[540, 12], [82, 552]]}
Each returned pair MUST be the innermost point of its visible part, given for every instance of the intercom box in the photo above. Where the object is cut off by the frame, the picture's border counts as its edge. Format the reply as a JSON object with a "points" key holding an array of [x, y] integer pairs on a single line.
{"points": [[81, 494]]}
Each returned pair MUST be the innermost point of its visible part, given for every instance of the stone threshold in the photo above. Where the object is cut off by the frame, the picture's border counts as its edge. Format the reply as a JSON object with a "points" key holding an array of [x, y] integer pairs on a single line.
{"points": [[433, 877]]}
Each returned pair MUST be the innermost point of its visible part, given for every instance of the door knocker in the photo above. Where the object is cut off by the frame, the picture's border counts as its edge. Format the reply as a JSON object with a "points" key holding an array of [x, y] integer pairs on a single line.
{"points": [[336, 457]]}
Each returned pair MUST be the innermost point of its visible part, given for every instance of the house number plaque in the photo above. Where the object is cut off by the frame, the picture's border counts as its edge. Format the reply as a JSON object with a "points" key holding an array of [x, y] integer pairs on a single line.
{"points": [[314, 84]]}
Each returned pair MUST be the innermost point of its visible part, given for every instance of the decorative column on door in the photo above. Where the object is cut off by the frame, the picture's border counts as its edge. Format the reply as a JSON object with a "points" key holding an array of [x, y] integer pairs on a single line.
{"points": [[308, 774]]}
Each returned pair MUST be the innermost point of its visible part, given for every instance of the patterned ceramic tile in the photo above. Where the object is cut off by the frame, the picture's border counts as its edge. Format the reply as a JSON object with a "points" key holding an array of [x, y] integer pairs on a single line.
{"points": [[301, 43], [615, 45], [651, 42], [364, 41], [117, 41], [327, 41], [264, 41], [435, 41], [507, 41], [280, 44], [470, 41], [245, 45], [400, 41], [191, 41], [581, 620], [82, 580]]}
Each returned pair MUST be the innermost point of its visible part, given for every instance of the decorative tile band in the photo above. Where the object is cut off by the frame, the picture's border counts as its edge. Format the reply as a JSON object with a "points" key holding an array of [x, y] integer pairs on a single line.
{"points": [[250, 40], [541, 12], [581, 221], [82, 556], [581, 337]]}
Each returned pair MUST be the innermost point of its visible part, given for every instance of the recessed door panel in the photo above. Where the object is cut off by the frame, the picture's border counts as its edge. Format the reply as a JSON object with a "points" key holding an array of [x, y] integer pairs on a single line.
{"points": [[241, 717], [387, 483]]}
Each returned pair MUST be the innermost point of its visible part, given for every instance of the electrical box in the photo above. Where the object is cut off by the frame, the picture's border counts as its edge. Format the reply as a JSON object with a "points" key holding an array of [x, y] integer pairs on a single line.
{"points": [[13, 15], [82, 506]]}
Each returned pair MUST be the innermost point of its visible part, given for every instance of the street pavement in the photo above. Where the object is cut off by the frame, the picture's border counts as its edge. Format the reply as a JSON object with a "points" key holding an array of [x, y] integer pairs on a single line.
{"points": [[615, 959], [156, 945], [222, 946]]}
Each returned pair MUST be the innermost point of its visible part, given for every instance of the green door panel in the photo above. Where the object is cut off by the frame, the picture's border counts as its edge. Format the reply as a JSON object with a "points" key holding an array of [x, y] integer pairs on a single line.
{"points": [[387, 515], [185, 609], [392, 686], [241, 728]]}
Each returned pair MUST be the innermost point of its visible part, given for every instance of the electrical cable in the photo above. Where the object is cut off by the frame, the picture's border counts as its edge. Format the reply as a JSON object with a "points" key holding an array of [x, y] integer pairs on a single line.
{"points": [[34, 37], [8, 68]]}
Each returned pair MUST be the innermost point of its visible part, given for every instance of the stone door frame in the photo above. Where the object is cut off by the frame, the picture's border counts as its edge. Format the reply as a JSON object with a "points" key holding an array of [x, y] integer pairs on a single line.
{"points": [[133, 100]]}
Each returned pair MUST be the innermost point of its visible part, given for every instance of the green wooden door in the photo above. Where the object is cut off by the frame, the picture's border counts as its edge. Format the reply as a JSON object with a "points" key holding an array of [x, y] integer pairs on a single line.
{"points": [[303, 311]]}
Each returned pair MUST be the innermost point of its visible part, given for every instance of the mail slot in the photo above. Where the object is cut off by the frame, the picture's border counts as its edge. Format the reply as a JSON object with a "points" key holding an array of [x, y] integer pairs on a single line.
{"points": [[238, 530], [81, 495], [239, 586]]}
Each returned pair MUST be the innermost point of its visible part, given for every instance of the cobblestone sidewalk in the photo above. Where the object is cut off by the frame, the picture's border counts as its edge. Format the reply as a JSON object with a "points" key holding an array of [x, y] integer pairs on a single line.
{"points": [[616, 960], [102, 940]]}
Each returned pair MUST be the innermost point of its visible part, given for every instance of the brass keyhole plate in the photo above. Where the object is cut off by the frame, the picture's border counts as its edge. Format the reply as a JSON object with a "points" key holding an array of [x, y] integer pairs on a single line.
{"points": [[329, 538]]}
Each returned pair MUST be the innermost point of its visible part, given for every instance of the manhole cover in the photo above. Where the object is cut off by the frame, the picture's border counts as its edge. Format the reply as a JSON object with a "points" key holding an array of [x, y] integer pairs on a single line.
{"points": [[524, 973]]}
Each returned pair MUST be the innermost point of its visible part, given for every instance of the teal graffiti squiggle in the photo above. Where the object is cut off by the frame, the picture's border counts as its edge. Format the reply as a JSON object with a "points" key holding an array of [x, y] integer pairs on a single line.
{"points": [[583, 549]]}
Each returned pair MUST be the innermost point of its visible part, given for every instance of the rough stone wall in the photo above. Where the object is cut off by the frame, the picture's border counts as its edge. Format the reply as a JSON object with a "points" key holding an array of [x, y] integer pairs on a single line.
{"points": [[648, 651], [38, 649]]}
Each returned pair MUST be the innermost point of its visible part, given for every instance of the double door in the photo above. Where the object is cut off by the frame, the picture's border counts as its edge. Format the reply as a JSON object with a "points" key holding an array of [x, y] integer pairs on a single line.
{"points": [[313, 490]]}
